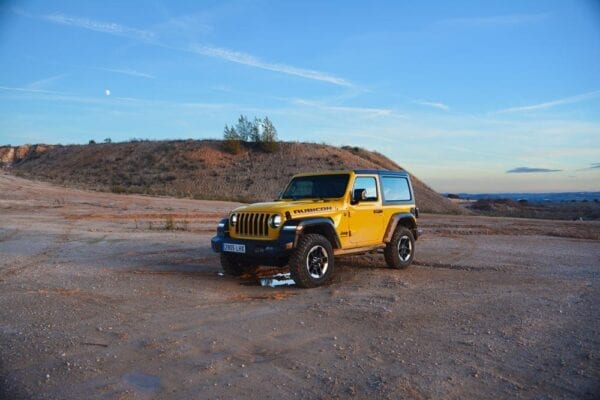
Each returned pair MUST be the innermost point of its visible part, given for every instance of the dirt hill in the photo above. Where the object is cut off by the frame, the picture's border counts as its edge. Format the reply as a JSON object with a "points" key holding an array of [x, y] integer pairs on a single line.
{"points": [[199, 169]]}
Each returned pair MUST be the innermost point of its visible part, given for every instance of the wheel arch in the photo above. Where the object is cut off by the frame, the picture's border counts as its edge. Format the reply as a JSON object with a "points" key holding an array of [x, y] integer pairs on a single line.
{"points": [[320, 225], [407, 220]]}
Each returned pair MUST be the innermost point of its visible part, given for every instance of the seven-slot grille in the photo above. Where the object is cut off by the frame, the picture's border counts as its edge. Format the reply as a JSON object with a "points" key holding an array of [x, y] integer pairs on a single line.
{"points": [[252, 224]]}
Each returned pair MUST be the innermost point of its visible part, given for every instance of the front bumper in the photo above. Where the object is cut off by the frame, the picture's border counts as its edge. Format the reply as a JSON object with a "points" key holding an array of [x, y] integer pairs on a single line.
{"points": [[254, 248], [268, 252]]}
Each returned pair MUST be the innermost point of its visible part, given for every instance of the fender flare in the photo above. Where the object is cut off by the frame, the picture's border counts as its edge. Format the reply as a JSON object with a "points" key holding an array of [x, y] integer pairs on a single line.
{"points": [[298, 226], [407, 219]]}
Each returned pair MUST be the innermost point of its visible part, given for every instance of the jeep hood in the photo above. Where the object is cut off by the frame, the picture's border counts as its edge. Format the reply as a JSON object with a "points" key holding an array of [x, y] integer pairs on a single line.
{"points": [[294, 206]]}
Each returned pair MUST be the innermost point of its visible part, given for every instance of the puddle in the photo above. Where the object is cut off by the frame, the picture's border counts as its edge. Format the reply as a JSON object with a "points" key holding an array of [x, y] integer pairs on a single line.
{"points": [[277, 280], [143, 382]]}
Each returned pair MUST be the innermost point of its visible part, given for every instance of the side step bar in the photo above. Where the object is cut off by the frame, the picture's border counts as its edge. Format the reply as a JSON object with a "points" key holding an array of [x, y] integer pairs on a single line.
{"points": [[358, 250]]}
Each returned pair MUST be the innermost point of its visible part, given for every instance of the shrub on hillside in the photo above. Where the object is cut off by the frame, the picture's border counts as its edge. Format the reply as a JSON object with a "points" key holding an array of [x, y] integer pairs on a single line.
{"points": [[232, 143], [268, 137], [260, 131]]}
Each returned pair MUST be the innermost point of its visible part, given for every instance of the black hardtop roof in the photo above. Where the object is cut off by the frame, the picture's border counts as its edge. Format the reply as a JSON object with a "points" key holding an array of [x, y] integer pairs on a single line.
{"points": [[380, 172]]}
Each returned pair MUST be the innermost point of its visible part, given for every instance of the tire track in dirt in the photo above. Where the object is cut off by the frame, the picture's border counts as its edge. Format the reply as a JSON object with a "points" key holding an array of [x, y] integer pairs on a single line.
{"points": [[37, 259]]}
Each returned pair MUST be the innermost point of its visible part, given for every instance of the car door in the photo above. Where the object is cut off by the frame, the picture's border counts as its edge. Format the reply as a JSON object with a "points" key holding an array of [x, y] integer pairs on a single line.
{"points": [[366, 215]]}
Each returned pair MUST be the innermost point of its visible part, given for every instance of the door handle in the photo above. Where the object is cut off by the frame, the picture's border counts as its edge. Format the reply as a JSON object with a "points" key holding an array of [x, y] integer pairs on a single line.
{"points": [[377, 211]]}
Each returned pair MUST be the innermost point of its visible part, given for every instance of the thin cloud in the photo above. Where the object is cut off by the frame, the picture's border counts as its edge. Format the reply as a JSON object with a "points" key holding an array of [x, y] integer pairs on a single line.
{"points": [[253, 61], [495, 21], [529, 170], [99, 26], [592, 166], [363, 111], [102, 99], [42, 83], [553, 103], [440, 106], [370, 112], [210, 51], [27, 90], [127, 71]]}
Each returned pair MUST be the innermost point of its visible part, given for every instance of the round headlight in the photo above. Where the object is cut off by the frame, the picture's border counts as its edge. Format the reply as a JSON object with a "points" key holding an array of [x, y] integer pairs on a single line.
{"points": [[233, 219], [276, 221]]}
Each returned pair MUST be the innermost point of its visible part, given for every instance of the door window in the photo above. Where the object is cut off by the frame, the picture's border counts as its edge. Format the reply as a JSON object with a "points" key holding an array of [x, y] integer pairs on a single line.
{"points": [[369, 184]]}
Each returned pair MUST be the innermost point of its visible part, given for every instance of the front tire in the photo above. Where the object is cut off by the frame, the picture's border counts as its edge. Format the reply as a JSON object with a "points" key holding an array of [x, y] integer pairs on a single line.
{"points": [[400, 251], [234, 266], [311, 263]]}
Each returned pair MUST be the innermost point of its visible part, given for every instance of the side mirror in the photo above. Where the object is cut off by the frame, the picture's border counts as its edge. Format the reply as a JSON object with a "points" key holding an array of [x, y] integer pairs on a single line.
{"points": [[359, 195]]}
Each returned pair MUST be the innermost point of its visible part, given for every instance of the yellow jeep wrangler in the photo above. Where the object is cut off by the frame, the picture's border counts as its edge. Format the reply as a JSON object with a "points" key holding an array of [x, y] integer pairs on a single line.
{"points": [[320, 216]]}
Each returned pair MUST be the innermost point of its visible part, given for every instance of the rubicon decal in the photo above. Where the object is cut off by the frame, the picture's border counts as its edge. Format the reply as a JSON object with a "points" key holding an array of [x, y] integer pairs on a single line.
{"points": [[313, 210]]}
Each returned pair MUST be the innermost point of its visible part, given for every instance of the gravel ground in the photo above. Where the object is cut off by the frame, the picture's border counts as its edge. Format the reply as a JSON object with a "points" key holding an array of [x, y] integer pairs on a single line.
{"points": [[113, 296]]}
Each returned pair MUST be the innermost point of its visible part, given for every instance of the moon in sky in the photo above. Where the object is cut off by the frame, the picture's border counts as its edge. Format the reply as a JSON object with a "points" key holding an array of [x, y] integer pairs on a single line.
{"points": [[107, 92]]}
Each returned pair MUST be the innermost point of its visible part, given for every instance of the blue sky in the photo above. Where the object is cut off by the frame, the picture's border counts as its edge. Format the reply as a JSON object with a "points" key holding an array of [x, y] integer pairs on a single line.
{"points": [[468, 95]]}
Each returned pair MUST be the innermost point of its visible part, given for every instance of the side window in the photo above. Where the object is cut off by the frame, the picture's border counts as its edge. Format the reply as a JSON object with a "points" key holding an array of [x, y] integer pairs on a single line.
{"points": [[369, 184], [395, 188]]}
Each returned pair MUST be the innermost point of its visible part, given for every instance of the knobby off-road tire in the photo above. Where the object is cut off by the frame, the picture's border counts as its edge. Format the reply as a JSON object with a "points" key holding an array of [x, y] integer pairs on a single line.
{"points": [[311, 263], [234, 266], [400, 251]]}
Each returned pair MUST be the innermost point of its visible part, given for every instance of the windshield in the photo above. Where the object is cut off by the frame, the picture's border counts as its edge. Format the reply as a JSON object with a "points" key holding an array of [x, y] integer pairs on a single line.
{"points": [[317, 186]]}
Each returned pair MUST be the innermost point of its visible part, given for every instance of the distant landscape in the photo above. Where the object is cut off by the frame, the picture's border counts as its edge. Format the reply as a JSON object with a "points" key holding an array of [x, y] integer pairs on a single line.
{"points": [[532, 197], [584, 206]]}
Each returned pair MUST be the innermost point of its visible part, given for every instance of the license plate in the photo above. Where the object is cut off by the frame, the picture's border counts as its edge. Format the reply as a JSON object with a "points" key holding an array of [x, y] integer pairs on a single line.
{"points": [[234, 248]]}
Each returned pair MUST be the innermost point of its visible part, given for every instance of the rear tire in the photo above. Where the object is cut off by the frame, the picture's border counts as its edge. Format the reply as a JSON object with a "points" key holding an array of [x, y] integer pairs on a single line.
{"points": [[400, 251], [311, 263], [235, 266]]}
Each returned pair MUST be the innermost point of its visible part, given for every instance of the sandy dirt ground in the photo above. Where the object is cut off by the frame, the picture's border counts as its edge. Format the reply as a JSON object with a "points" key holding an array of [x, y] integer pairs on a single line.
{"points": [[120, 297]]}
